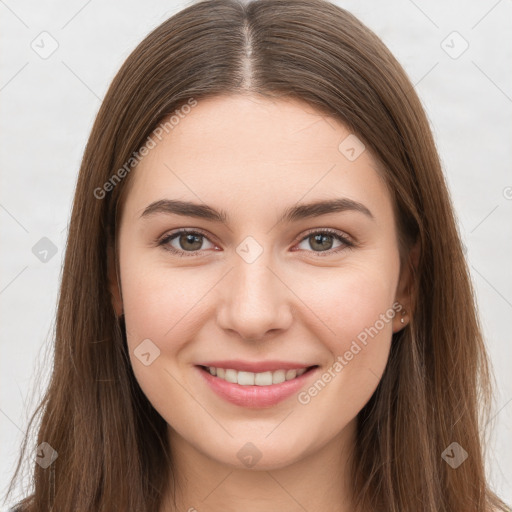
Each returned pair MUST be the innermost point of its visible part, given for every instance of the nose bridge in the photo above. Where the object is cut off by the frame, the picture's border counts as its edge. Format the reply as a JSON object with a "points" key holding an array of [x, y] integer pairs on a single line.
{"points": [[255, 300]]}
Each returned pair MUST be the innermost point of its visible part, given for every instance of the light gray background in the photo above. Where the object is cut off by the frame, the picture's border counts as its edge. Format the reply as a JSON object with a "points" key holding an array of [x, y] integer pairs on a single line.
{"points": [[48, 107]]}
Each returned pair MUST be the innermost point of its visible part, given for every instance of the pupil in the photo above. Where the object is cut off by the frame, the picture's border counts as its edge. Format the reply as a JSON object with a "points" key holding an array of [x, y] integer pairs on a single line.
{"points": [[320, 238], [190, 238]]}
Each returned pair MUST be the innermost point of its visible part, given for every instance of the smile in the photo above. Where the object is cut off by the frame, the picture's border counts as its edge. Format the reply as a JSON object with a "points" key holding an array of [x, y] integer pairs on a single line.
{"points": [[255, 389], [255, 379]]}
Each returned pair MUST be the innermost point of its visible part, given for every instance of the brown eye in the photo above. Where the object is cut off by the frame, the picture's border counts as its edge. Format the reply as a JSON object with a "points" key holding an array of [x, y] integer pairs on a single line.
{"points": [[323, 242], [183, 242], [190, 242]]}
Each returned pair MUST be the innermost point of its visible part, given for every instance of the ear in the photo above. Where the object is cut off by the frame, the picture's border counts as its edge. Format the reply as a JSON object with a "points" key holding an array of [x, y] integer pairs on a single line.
{"points": [[113, 281], [405, 292]]}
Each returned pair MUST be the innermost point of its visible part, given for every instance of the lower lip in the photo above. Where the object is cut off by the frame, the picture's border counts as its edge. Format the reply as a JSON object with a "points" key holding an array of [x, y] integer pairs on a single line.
{"points": [[255, 396]]}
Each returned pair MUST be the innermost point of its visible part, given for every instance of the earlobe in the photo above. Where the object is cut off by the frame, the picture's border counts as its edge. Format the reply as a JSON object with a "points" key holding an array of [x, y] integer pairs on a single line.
{"points": [[113, 281], [406, 289]]}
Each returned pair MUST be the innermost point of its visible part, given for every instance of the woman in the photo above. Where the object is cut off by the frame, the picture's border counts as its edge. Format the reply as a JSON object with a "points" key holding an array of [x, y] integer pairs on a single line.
{"points": [[264, 302]]}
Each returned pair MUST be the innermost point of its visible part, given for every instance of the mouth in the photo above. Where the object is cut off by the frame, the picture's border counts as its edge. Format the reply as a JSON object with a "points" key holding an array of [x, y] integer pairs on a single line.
{"points": [[266, 378], [256, 389]]}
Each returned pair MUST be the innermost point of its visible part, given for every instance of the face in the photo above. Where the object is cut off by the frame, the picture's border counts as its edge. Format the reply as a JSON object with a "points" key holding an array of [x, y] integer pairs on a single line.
{"points": [[242, 276]]}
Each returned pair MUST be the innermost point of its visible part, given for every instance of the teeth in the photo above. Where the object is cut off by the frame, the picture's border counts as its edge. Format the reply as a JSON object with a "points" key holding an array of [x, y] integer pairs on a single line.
{"points": [[255, 379], [245, 378], [231, 376], [291, 374]]}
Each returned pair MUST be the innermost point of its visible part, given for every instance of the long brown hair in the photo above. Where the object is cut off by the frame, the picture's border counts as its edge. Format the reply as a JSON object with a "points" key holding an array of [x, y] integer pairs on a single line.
{"points": [[436, 389]]}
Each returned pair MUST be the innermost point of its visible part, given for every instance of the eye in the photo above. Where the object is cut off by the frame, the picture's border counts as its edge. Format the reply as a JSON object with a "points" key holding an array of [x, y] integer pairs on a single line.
{"points": [[188, 241], [323, 241]]}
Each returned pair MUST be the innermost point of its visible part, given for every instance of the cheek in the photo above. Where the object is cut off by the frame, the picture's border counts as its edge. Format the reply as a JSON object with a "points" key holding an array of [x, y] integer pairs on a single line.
{"points": [[162, 306], [160, 303], [355, 308], [364, 344], [165, 305], [353, 297]]}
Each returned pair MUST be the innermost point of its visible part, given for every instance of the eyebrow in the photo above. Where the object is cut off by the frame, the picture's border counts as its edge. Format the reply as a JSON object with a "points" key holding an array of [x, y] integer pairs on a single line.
{"points": [[291, 214]]}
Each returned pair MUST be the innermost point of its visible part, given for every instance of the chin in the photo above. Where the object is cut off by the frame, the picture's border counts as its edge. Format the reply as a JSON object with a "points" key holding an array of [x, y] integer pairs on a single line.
{"points": [[259, 454]]}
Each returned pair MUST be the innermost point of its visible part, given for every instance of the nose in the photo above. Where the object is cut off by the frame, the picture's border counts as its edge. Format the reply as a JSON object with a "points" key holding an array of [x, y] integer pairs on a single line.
{"points": [[255, 301]]}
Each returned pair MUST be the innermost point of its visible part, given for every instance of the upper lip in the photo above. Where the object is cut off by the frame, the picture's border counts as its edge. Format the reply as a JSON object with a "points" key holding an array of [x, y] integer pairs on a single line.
{"points": [[256, 367]]}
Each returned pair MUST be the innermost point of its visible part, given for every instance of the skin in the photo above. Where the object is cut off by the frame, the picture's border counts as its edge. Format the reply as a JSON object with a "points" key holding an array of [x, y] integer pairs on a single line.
{"points": [[252, 158]]}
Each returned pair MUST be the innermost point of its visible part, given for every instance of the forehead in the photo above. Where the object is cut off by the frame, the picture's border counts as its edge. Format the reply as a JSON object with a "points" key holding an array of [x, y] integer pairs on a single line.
{"points": [[252, 155]]}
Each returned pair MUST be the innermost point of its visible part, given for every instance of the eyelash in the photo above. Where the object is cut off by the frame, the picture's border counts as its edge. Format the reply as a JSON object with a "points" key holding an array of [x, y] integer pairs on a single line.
{"points": [[347, 243]]}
